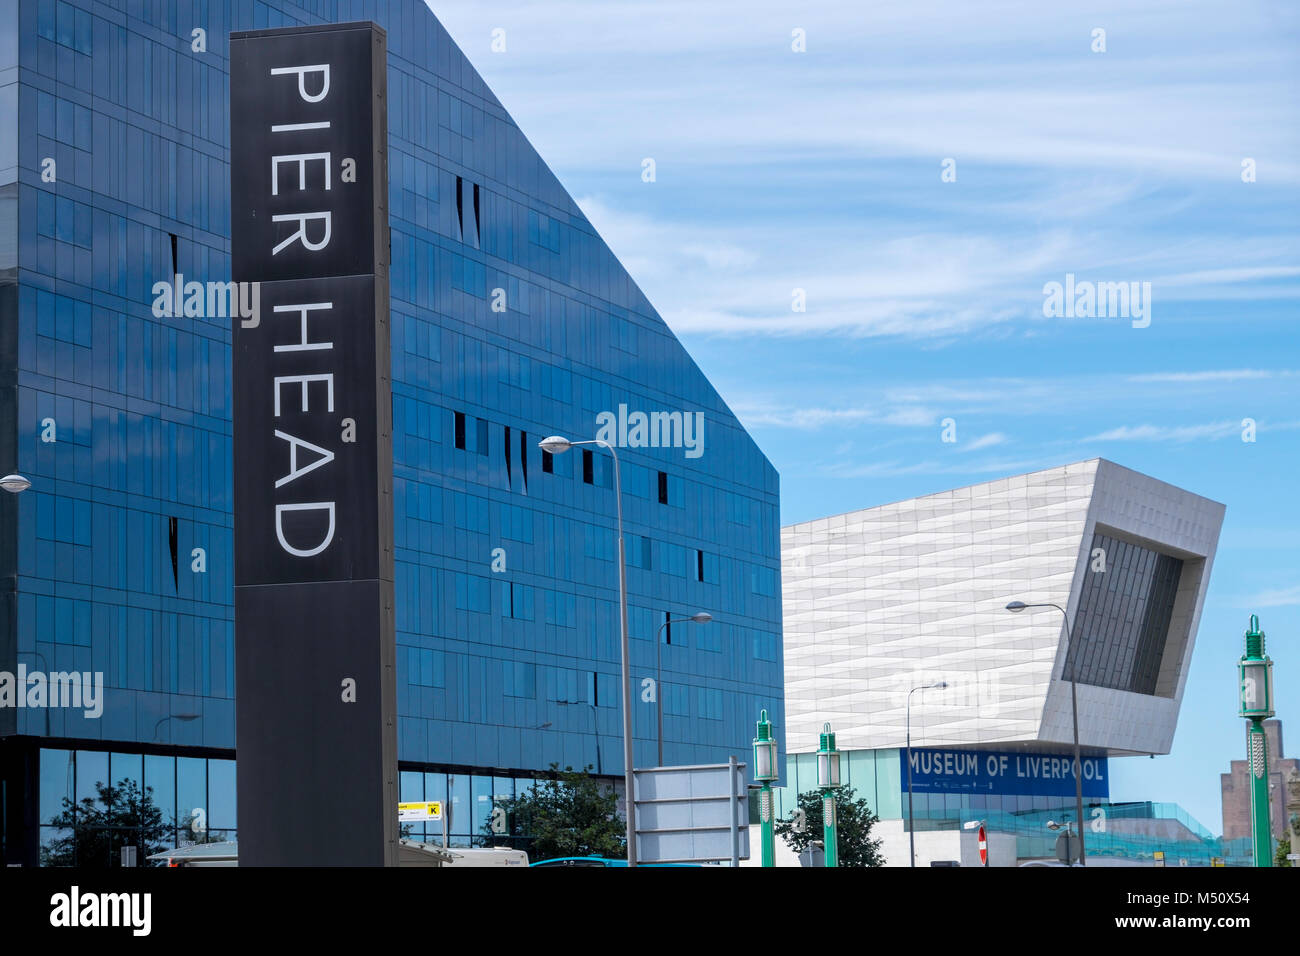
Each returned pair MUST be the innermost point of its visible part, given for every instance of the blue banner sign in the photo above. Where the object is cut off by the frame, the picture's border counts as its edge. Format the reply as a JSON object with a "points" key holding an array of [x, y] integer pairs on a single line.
{"points": [[984, 771]]}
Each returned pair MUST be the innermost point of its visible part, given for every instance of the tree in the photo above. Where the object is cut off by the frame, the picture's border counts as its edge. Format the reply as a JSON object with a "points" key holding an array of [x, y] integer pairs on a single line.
{"points": [[854, 818], [566, 814], [1283, 848], [124, 815]]}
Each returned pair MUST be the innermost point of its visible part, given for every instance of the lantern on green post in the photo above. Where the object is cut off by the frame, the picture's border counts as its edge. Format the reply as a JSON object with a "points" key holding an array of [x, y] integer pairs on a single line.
{"points": [[1255, 672], [764, 773], [828, 780]]}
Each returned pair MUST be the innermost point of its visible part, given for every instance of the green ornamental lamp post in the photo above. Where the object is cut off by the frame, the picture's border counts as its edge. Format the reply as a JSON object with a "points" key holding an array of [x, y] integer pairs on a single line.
{"points": [[828, 779], [765, 773], [1256, 673]]}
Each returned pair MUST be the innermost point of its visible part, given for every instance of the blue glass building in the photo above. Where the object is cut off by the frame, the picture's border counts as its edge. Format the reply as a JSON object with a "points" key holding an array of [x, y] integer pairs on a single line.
{"points": [[511, 320]]}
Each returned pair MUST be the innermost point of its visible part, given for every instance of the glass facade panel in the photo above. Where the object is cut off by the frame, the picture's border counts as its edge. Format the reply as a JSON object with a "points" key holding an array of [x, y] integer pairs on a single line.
{"points": [[482, 793], [410, 789], [458, 801], [92, 775], [160, 779], [8, 98], [191, 791], [56, 783], [222, 814]]}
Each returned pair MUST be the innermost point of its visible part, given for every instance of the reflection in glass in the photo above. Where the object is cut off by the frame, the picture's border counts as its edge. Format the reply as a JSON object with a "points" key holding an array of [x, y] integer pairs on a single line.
{"points": [[160, 779], [109, 815], [125, 767], [461, 809], [53, 838], [222, 811], [56, 782], [191, 795], [435, 788], [92, 774], [482, 789], [410, 789]]}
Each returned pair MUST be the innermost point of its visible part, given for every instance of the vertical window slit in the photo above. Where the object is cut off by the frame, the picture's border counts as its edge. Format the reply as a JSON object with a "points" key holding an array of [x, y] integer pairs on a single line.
{"points": [[478, 232], [509, 470], [172, 543], [460, 206]]}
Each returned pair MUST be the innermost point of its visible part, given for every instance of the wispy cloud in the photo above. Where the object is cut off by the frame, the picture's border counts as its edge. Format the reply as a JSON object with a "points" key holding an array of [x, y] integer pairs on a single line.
{"points": [[1211, 375], [1177, 433], [933, 466], [814, 418], [984, 441], [1279, 597]]}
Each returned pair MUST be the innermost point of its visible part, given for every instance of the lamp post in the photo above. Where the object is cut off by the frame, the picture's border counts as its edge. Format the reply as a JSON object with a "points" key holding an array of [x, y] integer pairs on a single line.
{"points": [[1016, 607], [828, 780], [558, 445], [1255, 671], [1293, 808], [911, 829], [1066, 825], [699, 617], [765, 773]]}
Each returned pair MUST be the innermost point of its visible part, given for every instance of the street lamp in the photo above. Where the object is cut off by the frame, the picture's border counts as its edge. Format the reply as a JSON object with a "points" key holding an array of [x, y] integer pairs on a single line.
{"points": [[182, 717], [14, 483], [699, 617], [828, 780], [1255, 671], [911, 829], [1016, 607], [1066, 825], [558, 445], [765, 773]]}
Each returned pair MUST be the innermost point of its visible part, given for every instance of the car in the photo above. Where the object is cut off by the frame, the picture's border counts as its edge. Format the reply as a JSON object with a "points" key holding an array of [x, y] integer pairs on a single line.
{"points": [[585, 861], [560, 861]]}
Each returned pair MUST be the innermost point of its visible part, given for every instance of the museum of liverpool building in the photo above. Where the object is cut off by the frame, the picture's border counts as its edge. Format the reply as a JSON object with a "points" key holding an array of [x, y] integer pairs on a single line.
{"points": [[511, 321], [883, 604]]}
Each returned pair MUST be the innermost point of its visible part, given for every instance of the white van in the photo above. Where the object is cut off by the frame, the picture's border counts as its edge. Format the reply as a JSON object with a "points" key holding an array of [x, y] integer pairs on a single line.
{"points": [[409, 853]]}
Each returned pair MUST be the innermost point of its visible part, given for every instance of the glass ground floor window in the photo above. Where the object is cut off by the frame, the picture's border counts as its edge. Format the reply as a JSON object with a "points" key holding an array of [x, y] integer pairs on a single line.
{"points": [[469, 800], [94, 804], [1129, 830]]}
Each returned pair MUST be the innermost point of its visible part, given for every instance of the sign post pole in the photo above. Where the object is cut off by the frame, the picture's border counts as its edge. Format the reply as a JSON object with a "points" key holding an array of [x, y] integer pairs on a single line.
{"points": [[315, 653]]}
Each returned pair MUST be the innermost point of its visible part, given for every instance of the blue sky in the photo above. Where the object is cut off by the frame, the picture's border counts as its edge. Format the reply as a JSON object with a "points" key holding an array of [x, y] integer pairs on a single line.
{"points": [[778, 170]]}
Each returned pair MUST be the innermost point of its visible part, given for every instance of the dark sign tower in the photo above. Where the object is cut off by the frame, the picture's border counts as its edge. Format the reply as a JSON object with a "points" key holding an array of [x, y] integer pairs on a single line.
{"points": [[313, 459]]}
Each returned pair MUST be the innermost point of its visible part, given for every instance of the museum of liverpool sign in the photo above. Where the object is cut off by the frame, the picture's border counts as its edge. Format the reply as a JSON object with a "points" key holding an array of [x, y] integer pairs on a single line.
{"points": [[985, 771]]}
